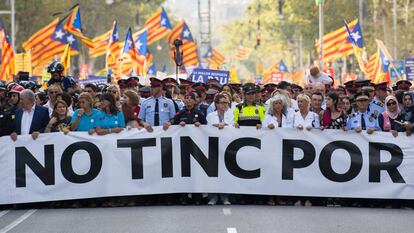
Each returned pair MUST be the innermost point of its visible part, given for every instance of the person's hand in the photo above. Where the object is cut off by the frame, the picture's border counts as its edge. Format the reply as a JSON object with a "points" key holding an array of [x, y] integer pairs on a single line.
{"points": [[394, 133], [148, 127], [345, 128], [65, 131], [182, 123], [91, 131], [358, 130], [408, 126], [300, 127], [197, 124], [271, 126], [258, 126], [116, 130], [35, 135], [309, 127], [220, 126], [13, 136], [370, 130], [53, 121], [236, 125], [80, 113], [321, 128], [167, 125]]}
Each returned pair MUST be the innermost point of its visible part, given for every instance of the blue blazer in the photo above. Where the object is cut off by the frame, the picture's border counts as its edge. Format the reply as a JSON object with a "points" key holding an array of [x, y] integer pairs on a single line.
{"points": [[39, 122]]}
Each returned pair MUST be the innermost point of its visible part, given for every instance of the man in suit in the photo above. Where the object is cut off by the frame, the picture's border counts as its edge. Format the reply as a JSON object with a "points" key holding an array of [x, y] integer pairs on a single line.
{"points": [[30, 119]]}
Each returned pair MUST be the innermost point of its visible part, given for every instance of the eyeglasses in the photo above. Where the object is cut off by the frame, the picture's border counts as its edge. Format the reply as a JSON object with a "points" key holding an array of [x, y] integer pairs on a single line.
{"points": [[391, 103]]}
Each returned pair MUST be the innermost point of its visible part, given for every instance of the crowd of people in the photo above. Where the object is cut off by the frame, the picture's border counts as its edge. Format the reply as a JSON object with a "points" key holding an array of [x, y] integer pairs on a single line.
{"points": [[65, 106]]}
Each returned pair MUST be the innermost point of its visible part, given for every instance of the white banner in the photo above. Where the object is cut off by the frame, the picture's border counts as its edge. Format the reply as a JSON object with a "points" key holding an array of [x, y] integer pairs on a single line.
{"points": [[188, 159]]}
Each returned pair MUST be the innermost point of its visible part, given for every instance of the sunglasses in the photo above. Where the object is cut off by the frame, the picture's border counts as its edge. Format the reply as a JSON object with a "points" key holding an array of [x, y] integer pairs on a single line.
{"points": [[391, 103]]}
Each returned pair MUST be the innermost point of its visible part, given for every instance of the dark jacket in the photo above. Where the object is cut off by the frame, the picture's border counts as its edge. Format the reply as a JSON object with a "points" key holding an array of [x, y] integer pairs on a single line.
{"points": [[39, 122]]}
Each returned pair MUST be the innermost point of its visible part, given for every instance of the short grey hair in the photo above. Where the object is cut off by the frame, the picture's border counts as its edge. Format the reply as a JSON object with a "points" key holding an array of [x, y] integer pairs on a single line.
{"points": [[281, 98], [28, 94]]}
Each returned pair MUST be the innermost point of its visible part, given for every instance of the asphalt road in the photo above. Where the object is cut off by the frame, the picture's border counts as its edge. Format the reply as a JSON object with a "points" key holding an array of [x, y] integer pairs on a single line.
{"points": [[209, 219]]}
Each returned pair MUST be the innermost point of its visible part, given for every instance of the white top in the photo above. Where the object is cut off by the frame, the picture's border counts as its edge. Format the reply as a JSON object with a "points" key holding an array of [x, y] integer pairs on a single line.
{"points": [[287, 120], [321, 78], [212, 118], [27, 119], [312, 119]]}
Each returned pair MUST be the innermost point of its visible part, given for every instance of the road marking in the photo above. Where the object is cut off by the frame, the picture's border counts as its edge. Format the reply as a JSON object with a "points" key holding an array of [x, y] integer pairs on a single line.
{"points": [[17, 221], [4, 212], [231, 230], [226, 211]]}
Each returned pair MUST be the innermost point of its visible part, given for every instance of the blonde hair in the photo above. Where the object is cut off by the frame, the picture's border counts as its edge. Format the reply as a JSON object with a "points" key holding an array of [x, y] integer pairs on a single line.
{"points": [[86, 96], [303, 97]]}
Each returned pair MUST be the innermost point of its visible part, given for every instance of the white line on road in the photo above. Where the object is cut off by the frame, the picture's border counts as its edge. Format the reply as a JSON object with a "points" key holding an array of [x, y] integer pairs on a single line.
{"points": [[231, 230], [4, 212], [17, 221], [226, 211]]}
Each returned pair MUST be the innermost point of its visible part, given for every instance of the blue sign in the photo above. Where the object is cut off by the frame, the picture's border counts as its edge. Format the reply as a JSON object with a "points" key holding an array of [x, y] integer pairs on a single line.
{"points": [[202, 75], [409, 68]]}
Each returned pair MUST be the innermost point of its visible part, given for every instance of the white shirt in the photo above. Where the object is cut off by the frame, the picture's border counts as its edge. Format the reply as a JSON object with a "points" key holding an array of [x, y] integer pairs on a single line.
{"points": [[322, 78], [312, 119], [27, 118], [213, 118], [287, 120], [49, 106]]}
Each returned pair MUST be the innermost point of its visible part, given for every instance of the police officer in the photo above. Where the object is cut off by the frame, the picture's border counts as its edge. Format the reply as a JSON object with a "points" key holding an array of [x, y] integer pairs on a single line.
{"points": [[190, 115], [249, 113], [202, 104], [380, 95], [170, 85], [56, 69], [7, 114], [374, 106], [156, 110], [362, 119]]}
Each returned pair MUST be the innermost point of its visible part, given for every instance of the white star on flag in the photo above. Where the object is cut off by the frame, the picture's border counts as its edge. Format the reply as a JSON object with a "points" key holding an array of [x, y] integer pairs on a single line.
{"points": [[186, 33], [70, 39], [129, 43], [386, 61], [116, 36], [355, 36], [138, 44], [59, 34], [163, 22]]}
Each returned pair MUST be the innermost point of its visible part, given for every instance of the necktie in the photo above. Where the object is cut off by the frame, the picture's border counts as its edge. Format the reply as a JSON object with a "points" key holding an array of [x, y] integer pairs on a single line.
{"points": [[363, 126], [156, 114]]}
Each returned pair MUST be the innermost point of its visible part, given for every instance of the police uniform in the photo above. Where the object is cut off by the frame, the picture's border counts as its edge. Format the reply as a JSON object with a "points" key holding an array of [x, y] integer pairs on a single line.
{"points": [[376, 107], [249, 115], [166, 110], [7, 118], [363, 120], [190, 117], [149, 110]]}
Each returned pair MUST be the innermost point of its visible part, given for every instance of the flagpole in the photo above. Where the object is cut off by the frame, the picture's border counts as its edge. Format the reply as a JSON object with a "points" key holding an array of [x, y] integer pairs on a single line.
{"points": [[320, 3]]}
